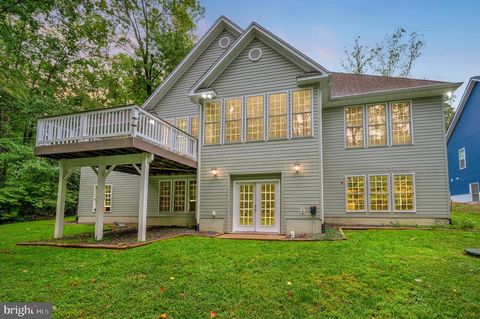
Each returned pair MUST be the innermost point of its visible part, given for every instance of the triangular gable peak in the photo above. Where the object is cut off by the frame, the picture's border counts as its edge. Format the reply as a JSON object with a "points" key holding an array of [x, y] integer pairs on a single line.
{"points": [[256, 31], [466, 95], [221, 24]]}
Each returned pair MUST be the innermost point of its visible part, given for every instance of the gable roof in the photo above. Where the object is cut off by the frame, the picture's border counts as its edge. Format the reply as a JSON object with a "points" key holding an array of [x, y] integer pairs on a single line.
{"points": [[219, 25], [471, 84], [255, 30], [347, 84]]}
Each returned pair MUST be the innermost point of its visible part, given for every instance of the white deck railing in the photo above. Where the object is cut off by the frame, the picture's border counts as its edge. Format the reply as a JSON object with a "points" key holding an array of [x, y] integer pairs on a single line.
{"points": [[112, 123]]}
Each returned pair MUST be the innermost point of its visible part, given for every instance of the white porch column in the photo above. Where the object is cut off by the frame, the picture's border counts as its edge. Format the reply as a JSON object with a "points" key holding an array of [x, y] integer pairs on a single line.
{"points": [[62, 186], [100, 208], [142, 212]]}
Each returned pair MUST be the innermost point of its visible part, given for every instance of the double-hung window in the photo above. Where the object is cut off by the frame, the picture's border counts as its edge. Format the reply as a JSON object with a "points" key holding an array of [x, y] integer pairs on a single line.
{"points": [[233, 120], [354, 127], [377, 124], [212, 122], [107, 201], [164, 197], [192, 195], [194, 126], [401, 123], [277, 115], [255, 115], [179, 195], [403, 193], [462, 159], [182, 124], [379, 193], [355, 189], [301, 113]]}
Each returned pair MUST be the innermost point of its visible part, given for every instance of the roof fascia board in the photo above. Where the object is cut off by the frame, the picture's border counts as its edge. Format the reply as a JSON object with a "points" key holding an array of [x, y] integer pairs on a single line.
{"points": [[221, 23], [255, 30], [461, 106]]}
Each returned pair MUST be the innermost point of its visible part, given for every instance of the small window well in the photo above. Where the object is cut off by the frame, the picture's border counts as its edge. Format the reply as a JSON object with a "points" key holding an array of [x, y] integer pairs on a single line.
{"points": [[255, 54], [224, 42]]}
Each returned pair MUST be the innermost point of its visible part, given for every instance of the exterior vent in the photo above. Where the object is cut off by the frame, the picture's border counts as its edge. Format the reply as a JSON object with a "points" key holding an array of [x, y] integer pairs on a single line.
{"points": [[255, 54], [224, 42]]}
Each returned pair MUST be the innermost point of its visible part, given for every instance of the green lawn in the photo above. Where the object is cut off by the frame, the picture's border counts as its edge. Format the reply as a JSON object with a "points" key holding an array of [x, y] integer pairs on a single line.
{"points": [[374, 274]]}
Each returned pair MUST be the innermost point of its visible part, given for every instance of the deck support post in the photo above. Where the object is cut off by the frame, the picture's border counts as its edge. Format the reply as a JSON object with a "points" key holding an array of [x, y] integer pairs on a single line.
{"points": [[100, 208], [60, 213], [142, 212]]}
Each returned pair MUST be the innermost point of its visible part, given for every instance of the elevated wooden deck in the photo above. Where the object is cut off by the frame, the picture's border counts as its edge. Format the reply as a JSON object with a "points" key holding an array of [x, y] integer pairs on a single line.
{"points": [[117, 131]]}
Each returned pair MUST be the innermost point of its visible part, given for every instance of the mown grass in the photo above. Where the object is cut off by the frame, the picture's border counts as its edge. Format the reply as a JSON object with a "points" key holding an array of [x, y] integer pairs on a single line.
{"points": [[374, 274]]}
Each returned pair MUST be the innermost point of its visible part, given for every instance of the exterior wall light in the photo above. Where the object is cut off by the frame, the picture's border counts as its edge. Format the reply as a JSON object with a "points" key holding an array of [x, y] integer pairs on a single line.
{"points": [[449, 94], [214, 172], [296, 167]]}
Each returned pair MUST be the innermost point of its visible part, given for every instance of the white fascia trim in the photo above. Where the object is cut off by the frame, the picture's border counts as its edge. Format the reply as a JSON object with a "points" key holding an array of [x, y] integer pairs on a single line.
{"points": [[241, 42], [178, 69], [453, 85], [461, 105]]}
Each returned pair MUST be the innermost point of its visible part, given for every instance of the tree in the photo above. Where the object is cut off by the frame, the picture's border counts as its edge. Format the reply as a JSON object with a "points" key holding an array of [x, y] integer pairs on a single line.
{"points": [[393, 56], [448, 111], [156, 34]]}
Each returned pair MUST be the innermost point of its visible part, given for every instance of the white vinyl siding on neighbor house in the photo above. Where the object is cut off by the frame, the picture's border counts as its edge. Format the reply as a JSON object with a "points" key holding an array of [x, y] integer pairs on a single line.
{"points": [[107, 200], [380, 124], [462, 158]]}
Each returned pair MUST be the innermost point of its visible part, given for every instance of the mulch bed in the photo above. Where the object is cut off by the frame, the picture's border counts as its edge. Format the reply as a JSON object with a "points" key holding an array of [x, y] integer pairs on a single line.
{"points": [[124, 237]]}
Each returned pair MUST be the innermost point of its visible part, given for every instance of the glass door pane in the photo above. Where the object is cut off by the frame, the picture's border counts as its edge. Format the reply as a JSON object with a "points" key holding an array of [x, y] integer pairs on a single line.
{"points": [[246, 198], [268, 198]]}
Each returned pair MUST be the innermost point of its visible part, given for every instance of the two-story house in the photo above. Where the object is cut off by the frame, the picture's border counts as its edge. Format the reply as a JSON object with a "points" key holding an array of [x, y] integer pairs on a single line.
{"points": [[463, 147], [283, 144]]}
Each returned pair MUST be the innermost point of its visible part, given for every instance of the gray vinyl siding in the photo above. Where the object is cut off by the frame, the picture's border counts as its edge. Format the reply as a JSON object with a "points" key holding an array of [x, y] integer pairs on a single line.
{"points": [[261, 160], [425, 158], [176, 103], [125, 195]]}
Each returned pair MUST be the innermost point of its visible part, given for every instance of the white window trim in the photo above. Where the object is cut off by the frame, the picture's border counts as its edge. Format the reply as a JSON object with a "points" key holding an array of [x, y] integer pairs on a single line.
{"points": [[365, 136], [412, 137], [393, 194], [367, 125], [365, 192], [94, 200], [312, 121], [267, 117], [224, 120], [389, 210], [464, 158]]}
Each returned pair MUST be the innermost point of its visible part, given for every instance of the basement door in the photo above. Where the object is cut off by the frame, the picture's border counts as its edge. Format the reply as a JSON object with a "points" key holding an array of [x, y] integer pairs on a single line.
{"points": [[256, 206]]}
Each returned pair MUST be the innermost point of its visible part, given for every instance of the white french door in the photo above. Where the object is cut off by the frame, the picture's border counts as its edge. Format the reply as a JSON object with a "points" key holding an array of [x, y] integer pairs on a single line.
{"points": [[256, 206]]}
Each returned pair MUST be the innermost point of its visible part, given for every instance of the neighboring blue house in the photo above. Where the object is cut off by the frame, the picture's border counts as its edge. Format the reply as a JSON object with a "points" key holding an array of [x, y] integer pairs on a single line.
{"points": [[463, 146]]}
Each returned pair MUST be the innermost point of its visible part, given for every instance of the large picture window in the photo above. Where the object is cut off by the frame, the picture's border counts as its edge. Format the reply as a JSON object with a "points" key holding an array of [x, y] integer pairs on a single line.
{"points": [[403, 193], [107, 201], [354, 126], [401, 123], [233, 120], [379, 192], [355, 189], [212, 122], [377, 125], [255, 118], [301, 113], [277, 115]]}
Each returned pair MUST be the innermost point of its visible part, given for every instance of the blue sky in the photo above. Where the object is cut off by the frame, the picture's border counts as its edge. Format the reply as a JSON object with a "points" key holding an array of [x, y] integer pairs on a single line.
{"points": [[321, 29]]}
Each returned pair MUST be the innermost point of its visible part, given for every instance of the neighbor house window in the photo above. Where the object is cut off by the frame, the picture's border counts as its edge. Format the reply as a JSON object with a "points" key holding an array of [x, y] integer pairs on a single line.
{"points": [[474, 190], [354, 126], [192, 195], [255, 118], [194, 126], [182, 123], [379, 193], [212, 122], [377, 125], [277, 115], [164, 197], [179, 196], [401, 123], [107, 202], [233, 120], [302, 113], [462, 160], [403, 193], [355, 189]]}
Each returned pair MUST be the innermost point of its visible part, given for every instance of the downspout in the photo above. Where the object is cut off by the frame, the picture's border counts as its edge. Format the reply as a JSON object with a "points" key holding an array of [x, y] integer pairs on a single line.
{"points": [[320, 137], [199, 153]]}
